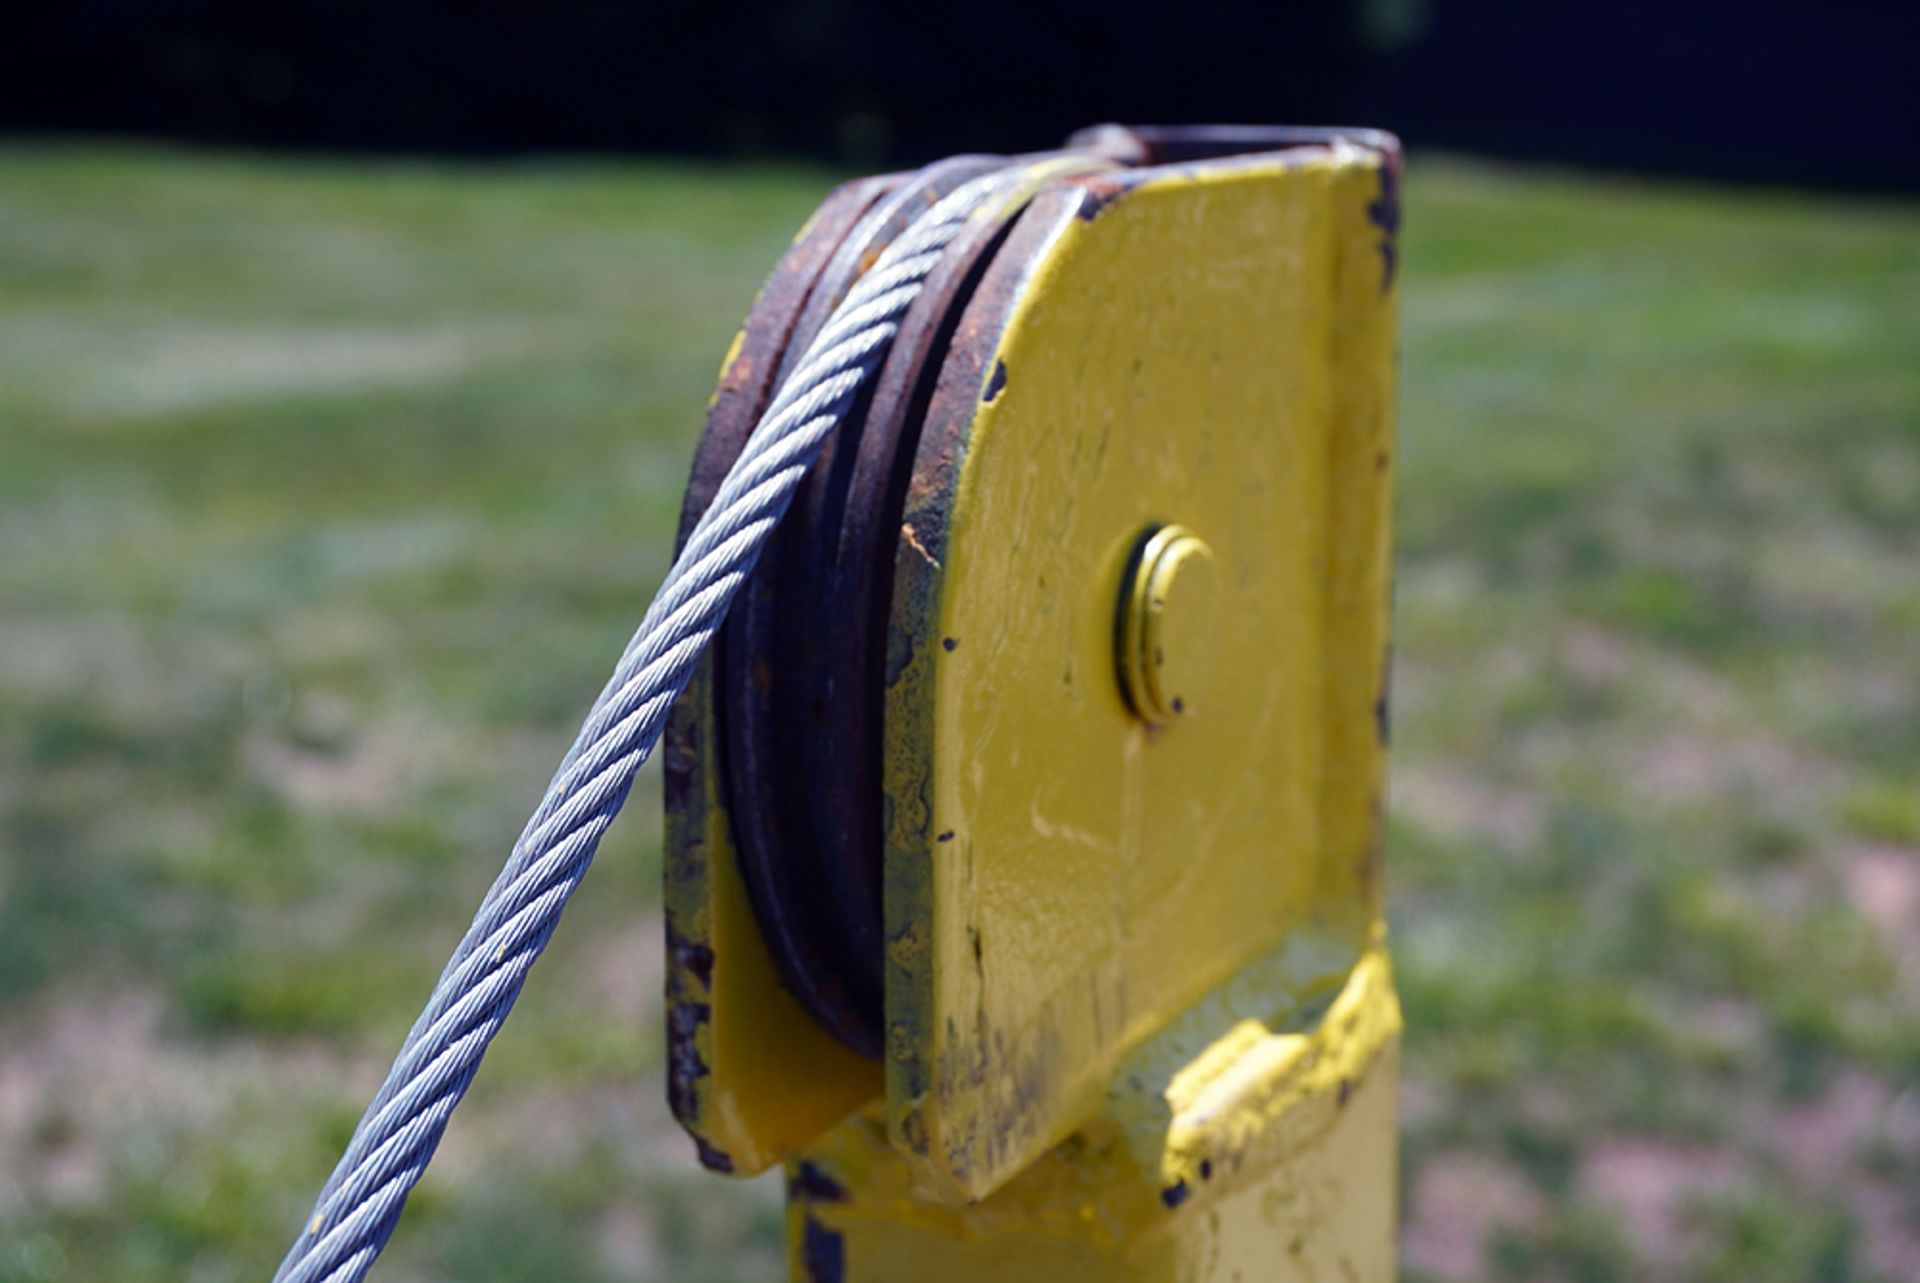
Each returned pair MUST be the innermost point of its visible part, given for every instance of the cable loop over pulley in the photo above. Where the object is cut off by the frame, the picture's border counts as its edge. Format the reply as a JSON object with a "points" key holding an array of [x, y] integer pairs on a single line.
{"points": [[395, 1139]]}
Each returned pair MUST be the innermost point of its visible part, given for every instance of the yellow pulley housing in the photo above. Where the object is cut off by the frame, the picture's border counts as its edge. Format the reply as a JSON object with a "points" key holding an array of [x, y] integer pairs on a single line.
{"points": [[1023, 876]]}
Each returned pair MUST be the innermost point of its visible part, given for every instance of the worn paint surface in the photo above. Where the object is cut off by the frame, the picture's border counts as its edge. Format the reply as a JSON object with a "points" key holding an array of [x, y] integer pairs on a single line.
{"points": [[1208, 344], [1254, 1138], [750, 1074], [806, 833], [1140, 1023]]}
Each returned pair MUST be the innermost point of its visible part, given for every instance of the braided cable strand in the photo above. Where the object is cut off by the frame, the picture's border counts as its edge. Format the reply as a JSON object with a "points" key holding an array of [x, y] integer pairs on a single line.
{"points": [[395, 1139]]}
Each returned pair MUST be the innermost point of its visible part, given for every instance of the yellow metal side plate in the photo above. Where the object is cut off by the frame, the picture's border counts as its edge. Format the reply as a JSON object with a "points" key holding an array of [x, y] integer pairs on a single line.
{"points": [[1209, 345]]}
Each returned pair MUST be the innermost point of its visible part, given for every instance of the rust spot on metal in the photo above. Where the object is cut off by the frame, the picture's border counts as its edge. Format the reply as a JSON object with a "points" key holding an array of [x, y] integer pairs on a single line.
{"points": [[1097, 193], [746, 385], [823, 1253], [685, 1068], [807, 844], [693, 785], [923, 1076], [680, 758], [997, 383], [1384, 213], [690, 957], [809, 1184]]}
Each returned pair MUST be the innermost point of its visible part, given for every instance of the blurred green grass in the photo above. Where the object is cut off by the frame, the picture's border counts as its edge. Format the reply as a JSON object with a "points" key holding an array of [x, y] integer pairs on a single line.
{"points": [[329, 489]]}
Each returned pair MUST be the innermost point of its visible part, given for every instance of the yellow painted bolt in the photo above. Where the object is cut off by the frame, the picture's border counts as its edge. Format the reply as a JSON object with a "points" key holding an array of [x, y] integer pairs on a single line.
{"points": [[1168, 613]]}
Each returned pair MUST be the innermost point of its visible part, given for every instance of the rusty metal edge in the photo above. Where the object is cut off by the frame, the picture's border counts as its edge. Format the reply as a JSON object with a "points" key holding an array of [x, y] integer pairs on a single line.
{"points": [[691, 775], [837, 700], [828, 957]]}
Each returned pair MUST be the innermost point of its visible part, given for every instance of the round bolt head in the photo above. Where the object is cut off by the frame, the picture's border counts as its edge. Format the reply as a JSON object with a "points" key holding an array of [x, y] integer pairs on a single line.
{"points": [[1167, 614]]}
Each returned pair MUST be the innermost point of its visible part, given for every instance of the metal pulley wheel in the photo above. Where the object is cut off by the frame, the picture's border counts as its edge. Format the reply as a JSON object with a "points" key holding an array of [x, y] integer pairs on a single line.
{"points": [[1015, 741], [799, 666]]}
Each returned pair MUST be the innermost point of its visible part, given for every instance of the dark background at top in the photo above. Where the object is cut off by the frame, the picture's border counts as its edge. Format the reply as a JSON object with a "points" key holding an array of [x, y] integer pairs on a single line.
{"points": [[1798, 91]]}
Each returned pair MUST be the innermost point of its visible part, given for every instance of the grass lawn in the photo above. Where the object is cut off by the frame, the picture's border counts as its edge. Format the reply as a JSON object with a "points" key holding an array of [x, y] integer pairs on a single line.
{"points": [[329, 491]]}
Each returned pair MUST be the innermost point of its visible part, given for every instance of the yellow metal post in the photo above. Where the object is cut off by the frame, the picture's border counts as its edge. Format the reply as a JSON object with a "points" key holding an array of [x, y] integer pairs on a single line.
{"points": [[1139, 1021]]}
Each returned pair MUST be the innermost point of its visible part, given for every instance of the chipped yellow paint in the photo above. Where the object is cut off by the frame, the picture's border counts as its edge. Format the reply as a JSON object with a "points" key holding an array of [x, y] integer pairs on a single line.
{"points": [[1232, 1146], [1141, 1024], [769, 1078], [1208, 345]]}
